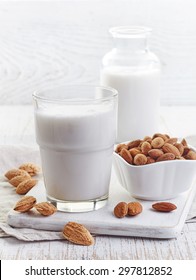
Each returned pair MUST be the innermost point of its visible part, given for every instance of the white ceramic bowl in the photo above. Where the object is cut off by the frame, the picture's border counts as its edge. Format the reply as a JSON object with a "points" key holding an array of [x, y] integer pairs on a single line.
{"points": [[156, 181]]}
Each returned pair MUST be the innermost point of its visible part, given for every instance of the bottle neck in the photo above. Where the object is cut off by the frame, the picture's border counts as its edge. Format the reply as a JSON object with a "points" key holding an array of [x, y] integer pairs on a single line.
{"points": [[131, 44]]}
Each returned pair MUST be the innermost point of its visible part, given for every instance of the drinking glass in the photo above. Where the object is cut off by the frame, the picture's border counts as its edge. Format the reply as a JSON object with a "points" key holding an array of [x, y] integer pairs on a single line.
{"points": [[76, 131]]}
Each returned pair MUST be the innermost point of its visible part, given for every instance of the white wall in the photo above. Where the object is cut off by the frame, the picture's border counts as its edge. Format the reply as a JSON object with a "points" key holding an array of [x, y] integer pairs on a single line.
{"points": [[43, 43]]}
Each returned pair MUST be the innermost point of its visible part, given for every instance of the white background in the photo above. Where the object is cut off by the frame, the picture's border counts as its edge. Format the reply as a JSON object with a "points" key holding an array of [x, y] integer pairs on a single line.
{"points": [[43, 43]]}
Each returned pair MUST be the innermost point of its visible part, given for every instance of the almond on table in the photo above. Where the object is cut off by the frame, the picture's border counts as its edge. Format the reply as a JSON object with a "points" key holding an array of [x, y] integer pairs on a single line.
{"points": [[78, 234], [45, 208], [21, 179], [164, 206], [121, 209], [31, 168], [134, 208], [25, 204], [15, 172], [15, 181], [26, 186]]}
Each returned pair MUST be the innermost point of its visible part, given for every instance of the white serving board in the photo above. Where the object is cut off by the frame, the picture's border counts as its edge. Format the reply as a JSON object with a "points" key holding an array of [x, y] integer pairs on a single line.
{"points": [[102, 222]]}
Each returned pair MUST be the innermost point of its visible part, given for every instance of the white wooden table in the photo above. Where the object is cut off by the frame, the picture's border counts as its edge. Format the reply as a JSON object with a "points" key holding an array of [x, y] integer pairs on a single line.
{"points": [[17, 127]]}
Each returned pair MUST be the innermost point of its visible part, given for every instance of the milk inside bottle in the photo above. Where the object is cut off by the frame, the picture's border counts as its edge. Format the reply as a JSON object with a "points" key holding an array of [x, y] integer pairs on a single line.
{"points": [[134, 72]]}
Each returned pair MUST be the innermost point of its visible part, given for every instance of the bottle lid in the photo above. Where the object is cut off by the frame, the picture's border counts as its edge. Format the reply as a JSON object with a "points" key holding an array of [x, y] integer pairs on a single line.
{"points": [[130, 31]]}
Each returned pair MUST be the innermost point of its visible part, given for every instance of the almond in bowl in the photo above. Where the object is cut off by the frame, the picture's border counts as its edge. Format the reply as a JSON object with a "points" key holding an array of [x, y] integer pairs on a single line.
{"points": [[158, 167]]}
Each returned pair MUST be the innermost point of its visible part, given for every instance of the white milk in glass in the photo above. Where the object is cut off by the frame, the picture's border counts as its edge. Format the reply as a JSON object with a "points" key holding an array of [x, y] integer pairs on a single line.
{"points": [[76, 144], [138, 100]]}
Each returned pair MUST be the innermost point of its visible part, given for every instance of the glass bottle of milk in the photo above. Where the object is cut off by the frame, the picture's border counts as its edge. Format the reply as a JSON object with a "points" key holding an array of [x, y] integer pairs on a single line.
{"points": [[134, 72]]}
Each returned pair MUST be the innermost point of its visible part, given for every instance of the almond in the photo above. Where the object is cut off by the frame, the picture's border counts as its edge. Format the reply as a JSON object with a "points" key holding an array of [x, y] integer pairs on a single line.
{"points": [[167, 156], [140, 159], [45, 208], [169, 148], [145, 147], [18, 179], [186, 150], [191, 155], [14, 172], [180, 158], [134, 144], [25, 186], [150, 160], [167, 136], [180, 147], [155, 153], [134, 151], [164, 206], [164, 136], [78, 234], [172, 140], [157, 142], [126, 156], [31, 168], [121, 210], [134, 208], [120, 147], [184, 143], [147, 139], [25, 204]]}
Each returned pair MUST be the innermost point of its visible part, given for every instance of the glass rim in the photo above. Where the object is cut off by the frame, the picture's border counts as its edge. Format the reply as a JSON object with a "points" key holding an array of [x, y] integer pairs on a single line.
{"points": [[37, 94], [130, 31]]}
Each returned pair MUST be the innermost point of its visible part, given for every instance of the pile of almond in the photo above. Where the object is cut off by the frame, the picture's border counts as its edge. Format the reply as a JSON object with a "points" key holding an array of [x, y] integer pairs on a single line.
{"points": [[21, 177], [159, 147]]}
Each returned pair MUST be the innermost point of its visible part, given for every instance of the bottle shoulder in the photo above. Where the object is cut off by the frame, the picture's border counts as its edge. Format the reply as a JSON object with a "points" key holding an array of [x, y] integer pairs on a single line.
{"points": [[130, 59]]}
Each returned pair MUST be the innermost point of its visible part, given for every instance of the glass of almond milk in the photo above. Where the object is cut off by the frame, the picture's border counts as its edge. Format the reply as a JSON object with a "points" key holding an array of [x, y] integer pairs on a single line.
{"points": [[76, 131]]}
